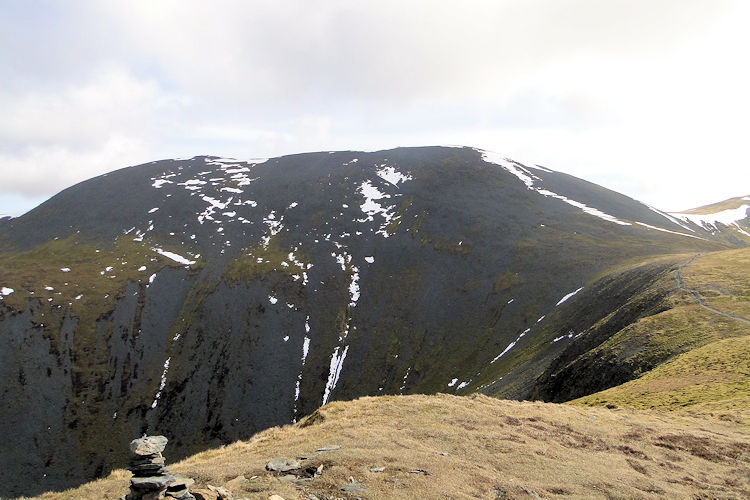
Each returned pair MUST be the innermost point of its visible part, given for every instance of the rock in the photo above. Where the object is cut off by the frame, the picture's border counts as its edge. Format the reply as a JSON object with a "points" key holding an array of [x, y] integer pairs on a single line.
{"points": [[181, 495], [151, 482], [377, 469], [275, 497], [329, 448], [531, 492], [148, 445], [137, 460], [419, 471], [236, 484], [145, 470], [151, 479], [153, 495], [180, 488], [282, 465], [204, 494], [319, 470], [224, 494], [353, 488], [181, 482]]}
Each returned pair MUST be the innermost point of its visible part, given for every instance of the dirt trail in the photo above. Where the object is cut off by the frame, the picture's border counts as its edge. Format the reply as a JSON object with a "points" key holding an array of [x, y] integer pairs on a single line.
{"points": [[697, 296]]}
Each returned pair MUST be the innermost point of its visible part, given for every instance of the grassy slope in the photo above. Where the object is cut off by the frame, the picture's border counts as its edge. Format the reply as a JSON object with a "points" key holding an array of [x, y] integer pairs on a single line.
{"points": [[480, 447], [709, 370], [723, 280]]}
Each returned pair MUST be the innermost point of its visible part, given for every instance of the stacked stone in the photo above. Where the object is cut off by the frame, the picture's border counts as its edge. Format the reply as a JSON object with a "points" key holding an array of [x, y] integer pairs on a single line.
{"points": [[151, 479]]}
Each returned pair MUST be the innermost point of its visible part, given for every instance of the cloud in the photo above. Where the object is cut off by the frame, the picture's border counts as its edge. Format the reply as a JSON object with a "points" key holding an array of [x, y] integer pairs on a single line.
{"points": [[51, 139], [610, 91]]}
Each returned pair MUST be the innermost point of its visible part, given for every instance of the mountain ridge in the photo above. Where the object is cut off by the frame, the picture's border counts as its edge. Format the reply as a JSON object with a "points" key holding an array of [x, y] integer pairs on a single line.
{"points": [[217, 297]]}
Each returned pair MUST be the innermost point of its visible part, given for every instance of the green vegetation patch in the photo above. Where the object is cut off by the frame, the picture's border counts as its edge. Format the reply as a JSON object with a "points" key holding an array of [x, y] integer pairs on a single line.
{"points": [[715, 373], [258, 261], [722, 279], [83, 276]]}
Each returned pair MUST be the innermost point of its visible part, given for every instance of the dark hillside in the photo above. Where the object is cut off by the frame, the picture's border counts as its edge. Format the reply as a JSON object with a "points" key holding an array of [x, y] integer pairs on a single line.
{"points": [[208, 298]]}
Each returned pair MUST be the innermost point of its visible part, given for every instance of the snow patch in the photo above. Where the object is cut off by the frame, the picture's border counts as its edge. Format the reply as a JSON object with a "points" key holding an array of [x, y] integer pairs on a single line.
{"points": [[568, 296], [158, 183], [162, 383], [391, 175], [6, 291], [171, 255], [709, 221], [452, 382], [511, 345], [65, 269], [529, 179], [337, 362], [672, 232]]}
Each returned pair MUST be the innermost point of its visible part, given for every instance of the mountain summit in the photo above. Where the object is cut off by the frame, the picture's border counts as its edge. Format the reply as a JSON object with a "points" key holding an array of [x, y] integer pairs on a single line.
{"points": [[208, 298]]}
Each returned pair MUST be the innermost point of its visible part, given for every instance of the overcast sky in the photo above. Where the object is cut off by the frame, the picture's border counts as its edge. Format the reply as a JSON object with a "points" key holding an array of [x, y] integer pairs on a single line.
{"points": [[649, 98]]}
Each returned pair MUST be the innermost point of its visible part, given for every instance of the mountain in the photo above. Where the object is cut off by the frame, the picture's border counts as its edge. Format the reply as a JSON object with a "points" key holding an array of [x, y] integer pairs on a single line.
{"points": [[208, 299], [729, 216]]}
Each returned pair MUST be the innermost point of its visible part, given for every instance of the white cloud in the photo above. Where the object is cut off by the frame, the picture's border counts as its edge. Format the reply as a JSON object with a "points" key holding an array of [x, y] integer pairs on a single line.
{"points": [[645, 97]]}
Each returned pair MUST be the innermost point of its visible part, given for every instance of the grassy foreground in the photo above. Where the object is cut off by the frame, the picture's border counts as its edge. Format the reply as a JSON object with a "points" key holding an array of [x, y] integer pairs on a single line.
{"points": [[478, 447]]}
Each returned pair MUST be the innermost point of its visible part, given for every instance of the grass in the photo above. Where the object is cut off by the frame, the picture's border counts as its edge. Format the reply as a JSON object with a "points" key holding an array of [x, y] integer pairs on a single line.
{"points": [[722, 279], [96, 272], [714, 378], [477, 447], [655, 339], [258, 261], [706, 368]]}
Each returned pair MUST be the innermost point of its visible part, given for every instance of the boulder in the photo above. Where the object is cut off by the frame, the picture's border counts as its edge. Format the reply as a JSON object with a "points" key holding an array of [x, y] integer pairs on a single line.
{"points": [[204, 494], [148, 445]]}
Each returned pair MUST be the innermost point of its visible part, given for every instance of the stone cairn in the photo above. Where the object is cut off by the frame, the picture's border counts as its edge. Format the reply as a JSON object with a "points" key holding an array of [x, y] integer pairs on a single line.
{"points": [[151, 479]]}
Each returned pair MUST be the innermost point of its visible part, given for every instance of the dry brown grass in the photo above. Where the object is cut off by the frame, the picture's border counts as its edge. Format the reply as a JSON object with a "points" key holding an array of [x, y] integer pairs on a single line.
{"points": [[479, 447]]}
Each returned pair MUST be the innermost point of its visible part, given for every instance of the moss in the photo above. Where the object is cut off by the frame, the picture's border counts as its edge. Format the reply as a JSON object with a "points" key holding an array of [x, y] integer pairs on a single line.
{"points": [[416, 224], [256, 262], [395, 223], [440, 245], [94, 276], [505, 281]]}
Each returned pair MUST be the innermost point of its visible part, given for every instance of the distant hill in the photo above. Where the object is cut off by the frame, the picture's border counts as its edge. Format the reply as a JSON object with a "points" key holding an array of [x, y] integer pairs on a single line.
{"points": [[727, 216], [209, 299]]}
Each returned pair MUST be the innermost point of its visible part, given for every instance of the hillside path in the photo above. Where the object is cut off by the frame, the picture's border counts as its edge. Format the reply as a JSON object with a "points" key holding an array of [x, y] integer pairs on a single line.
{"points": [[698, 297]]}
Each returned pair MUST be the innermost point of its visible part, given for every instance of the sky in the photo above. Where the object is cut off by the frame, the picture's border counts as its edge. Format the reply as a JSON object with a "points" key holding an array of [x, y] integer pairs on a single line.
{"points": [[648, 98]]}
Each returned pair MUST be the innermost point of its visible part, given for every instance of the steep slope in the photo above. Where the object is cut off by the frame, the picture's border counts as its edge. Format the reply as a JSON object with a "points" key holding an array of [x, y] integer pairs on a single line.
{"points": [[476, 447], [208, 298], [706, 340]]}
